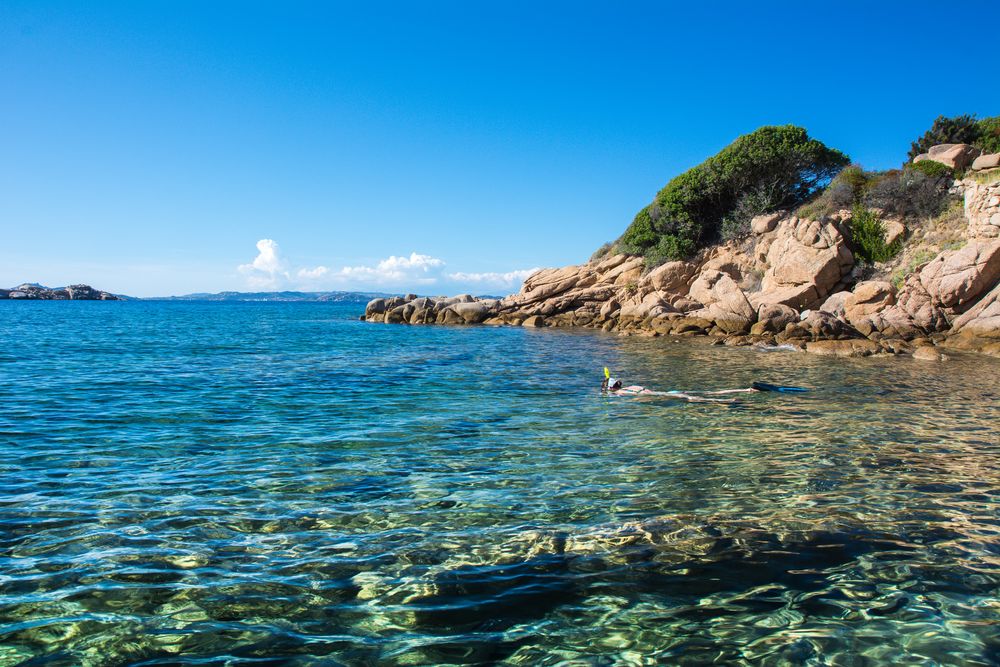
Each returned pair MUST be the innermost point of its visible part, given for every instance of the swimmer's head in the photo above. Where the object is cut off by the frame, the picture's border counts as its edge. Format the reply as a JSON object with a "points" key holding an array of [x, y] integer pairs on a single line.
{"points": [[614, 384]]}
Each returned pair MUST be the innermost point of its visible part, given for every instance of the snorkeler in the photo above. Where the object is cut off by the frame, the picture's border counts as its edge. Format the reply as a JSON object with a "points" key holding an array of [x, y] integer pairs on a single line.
{"points": [[614, 386]]}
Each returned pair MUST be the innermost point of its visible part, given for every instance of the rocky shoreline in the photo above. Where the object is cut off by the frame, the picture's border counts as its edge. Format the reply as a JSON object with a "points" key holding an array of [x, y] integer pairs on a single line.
{"points": [[792, 281]]}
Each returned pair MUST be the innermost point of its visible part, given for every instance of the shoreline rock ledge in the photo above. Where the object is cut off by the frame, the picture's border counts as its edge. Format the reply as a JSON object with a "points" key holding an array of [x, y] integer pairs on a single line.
{"points": [[793, 281]]}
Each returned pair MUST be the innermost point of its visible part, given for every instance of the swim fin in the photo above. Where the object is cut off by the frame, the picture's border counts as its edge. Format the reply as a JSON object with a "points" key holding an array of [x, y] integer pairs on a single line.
{"points": [[764, 386]]}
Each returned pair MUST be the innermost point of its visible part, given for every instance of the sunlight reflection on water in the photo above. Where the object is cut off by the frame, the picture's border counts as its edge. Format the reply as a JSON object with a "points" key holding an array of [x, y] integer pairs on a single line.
{"points": [[219, 483]]}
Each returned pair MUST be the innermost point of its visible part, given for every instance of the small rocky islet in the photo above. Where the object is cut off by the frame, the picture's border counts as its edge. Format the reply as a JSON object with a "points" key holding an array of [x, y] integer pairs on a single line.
{"points": [[792, 280], [35, 292]]}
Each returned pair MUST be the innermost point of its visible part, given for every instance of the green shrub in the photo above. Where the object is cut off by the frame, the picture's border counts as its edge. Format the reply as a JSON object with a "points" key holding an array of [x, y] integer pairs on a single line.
{"points": [[867, 234], [736, 224], [843, 192], [776, 166], [932, 169], [640, 235], [885, 192], [854, 177], [813, 210], [989, 135], [984, 177], [958, 130], [911, 191], [965, 129], [603, 251], [668, 249]]}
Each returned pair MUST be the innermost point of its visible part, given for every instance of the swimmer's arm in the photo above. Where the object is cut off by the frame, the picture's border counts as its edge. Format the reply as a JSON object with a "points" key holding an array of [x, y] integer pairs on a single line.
{"points": [[688, 397], [748, 390], [630, 391], [701, 399]]}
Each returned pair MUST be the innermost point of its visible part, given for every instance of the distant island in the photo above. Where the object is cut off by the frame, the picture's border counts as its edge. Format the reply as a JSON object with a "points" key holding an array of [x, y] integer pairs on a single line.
{"points": [[36, 292]]}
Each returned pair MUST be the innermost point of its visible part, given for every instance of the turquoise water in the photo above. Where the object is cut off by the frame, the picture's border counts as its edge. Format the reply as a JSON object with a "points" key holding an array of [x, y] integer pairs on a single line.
{"points": [[272, 484]]}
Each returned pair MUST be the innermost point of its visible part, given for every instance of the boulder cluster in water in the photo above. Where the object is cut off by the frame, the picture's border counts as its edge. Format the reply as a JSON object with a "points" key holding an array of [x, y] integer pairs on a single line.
{"points": [[794, 281], [29, 291]]}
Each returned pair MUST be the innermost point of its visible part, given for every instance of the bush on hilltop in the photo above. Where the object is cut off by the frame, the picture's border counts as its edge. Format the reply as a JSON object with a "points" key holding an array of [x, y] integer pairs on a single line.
{"points": [[845, 190], [964, 129], [958, 130], [602, 252], [915, 191], [771, 168], [989, 135], [918, 190]]}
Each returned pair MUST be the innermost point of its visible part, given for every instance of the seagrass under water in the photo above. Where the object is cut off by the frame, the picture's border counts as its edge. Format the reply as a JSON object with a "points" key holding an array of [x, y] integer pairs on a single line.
{"points": [[282, 484]]}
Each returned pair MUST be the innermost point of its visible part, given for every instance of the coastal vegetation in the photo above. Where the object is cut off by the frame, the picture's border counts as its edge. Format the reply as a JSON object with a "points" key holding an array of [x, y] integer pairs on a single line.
{"points": [[868, 234], [983, 133], [771, 168], [919, 190], [781, 168], [779, 240]]}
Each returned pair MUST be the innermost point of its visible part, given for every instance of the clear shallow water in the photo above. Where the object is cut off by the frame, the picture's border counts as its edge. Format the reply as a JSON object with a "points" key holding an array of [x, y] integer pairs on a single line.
{"points": [[282, 484]]}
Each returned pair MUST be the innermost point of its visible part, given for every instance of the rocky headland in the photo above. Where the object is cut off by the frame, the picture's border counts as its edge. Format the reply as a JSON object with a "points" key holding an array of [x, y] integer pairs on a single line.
{"points": [[32, 291], [790, 279]]}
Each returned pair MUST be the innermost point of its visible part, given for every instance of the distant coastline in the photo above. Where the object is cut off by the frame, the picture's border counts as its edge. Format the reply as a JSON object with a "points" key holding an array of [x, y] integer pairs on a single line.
{"points": [[283, 296], [81, 292]]}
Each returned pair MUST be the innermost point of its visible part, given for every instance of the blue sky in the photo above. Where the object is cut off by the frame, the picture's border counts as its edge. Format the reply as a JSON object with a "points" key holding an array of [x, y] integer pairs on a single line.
{"points": [[161, 148]]}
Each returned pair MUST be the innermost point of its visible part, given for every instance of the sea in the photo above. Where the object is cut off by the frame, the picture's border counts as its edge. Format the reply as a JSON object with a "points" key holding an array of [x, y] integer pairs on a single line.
{"points": [[187, 483]]}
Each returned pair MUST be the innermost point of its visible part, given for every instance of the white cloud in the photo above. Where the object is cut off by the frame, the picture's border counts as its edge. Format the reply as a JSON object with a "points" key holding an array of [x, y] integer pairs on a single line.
{"points": [[510, 280], [267, 270], [313, 274], [415, 269]]}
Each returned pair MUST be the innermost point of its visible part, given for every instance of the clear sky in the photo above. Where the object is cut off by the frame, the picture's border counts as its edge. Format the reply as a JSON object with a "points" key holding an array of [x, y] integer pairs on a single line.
{"points": [[157, 148]]}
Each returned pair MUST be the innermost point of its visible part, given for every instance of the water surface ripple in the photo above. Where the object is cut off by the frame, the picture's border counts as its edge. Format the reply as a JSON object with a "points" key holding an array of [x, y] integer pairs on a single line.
{"points": [[226, 484]]}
